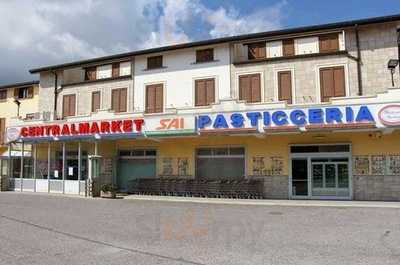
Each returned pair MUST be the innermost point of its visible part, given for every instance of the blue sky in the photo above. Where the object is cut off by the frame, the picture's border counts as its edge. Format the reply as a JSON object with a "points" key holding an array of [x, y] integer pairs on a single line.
{"points": [[37, 33]]}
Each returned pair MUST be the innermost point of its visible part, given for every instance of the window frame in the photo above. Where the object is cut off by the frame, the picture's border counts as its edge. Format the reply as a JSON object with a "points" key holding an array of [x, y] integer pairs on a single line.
{"points": [[92, 69], [75, 106], [262, 95], [152, 67], [164, 103], [119, 97], [318, 80], [208, 59], [337, 42], [92, 106], [215, 90], [259, 45]]}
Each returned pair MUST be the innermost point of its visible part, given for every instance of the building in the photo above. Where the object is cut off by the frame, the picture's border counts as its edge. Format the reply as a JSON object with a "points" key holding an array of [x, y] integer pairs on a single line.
{"points": [[311, 112], [16, 100]]}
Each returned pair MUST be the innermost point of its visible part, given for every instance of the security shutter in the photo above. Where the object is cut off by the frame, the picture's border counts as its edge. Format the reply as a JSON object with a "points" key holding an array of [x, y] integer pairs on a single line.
{"points": [[285, 86], [288, 47], [154, 98], [69, 105], [250, 88], [204, 92], [119, 100], [95, 101], [332, 82], [2, 130], [329, 42]]}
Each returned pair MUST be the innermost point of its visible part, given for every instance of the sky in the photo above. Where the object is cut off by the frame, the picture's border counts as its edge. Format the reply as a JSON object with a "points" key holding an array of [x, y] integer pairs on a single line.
{"points": [[36, 33]]}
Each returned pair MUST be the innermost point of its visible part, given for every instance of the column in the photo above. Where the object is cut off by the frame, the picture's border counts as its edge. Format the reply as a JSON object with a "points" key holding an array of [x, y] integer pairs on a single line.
{"points": [[79, 166], [34, 147], [21, 173], [48, 166], [63, 165]]}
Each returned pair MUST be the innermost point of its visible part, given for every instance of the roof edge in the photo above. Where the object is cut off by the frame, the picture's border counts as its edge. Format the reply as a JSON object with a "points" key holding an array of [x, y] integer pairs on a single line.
{"points": [[20, 84], [343, 24]]}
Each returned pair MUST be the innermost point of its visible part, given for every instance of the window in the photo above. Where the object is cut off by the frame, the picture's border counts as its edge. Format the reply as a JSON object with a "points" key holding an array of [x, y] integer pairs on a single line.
{"points": [[206, 55], [69, 105], [155, 62], [154, 98], [204, 92], [115, 70], [119, 99], [329, 43], [285, 86], [2, 130], [332, 82], [288, 47], [256, 50], [225, 162], [250, 88], [30, 116], [3, 94], [90, 73], [95, 101], [23, 92]]}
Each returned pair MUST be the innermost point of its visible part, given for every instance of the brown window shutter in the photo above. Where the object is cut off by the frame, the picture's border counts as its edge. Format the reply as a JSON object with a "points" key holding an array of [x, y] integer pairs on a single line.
{"points": [[288, 47], [339, 82], [66, 106], [285, 86], [115, 70], [2, 130], [72, 102], [210, 86], [90, 73], [327, 84], [256, 50], [329, 42], [159, 98], [200, 93], [115, 100], [95, 101], [123, 97], [205, 55], [245, 88], [30, 92], [255, 88], [150, 99]]}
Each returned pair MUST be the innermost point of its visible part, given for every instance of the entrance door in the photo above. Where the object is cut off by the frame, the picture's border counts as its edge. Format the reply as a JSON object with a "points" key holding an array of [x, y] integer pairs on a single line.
{"points": [[300, 177]]}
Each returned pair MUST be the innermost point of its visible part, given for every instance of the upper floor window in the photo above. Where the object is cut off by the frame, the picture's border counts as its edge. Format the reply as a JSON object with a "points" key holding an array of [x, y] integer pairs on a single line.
{"points": [[90, 73], [95, 101], [285, 86], [69, 104], [23, 92], [250, 88], [332, 82], [329, 42], [204, 92], [3, 94], [256, 50], [2, 130], [115, 70], [288, 47], [154, 98], [154, 62], [206, 55], [119, 100]]}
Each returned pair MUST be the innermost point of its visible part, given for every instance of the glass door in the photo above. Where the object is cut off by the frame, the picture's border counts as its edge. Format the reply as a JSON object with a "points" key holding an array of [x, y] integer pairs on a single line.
{"points": [[300, 177]]}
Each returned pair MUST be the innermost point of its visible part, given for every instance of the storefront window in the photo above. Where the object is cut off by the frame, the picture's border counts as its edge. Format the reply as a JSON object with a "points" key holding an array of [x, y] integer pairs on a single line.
{"points": [[220, 163]]}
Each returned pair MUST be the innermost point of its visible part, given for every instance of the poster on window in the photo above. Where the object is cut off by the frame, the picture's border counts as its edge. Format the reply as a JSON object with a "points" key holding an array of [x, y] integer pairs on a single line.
{"points": [[361, 165], [378, 164]]}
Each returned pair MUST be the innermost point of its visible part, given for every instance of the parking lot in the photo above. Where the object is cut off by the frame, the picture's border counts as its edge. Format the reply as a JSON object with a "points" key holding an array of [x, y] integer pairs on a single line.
{"points": [[50, 229]]}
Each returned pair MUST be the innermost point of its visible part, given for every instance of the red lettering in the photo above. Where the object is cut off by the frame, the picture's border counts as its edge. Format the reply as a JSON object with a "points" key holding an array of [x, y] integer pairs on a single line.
{"points": [[174, 124], [127, 125], [163, 124], [105, 127], [65, 130], [73, 129], [116, 126], [94, 128], [39, 131], [55, 130], [48, 128], [31, 131], [24, 132], [84, 128], [138, 124]]}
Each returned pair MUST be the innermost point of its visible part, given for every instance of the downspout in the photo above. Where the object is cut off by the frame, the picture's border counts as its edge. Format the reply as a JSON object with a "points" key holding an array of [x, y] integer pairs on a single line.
{"points": [[55, 94], [359, 62], [398, 46]]}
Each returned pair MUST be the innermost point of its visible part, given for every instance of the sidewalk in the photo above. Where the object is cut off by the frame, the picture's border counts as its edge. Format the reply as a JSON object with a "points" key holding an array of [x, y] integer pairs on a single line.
{"points": [[292, 203]]}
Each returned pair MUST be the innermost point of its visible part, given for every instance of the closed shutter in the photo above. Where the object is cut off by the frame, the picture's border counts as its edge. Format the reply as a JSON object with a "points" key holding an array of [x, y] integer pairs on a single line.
{"points": [[119, 100], [250, 88], [285, 86], [115, 100], [329, 43], [2, 130], [95, 101], [204, 92], [288, 47], [256, 50], [69, 105], [115, 70], [332, 83], [154, 98]]}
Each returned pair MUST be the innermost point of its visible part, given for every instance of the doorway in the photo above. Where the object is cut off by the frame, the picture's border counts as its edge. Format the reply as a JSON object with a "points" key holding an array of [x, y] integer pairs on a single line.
{"points": [[320, 172]]}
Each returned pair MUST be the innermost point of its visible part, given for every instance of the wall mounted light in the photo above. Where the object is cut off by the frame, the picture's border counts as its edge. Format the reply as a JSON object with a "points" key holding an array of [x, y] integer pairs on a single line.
{"points": [[392, 64]]}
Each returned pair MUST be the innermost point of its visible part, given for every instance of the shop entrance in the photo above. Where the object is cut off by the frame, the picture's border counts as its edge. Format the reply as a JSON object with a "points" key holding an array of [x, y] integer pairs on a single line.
{"points": [[320, 171]]}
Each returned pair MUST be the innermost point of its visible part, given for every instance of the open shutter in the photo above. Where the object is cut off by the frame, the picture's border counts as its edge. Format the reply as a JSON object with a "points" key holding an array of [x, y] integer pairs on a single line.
{"points": [[256, 50], [123, 100], [327, 84], [159, 98], [210, 92], [339, 83], [30, 92], [288, 47], [2, 130], [285, 86], [95, 101]]}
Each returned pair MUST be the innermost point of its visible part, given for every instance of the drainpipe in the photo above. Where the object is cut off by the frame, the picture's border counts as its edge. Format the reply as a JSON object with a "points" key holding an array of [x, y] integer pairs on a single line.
{"points": [[55, 94], [359, 74], [398, 46]]}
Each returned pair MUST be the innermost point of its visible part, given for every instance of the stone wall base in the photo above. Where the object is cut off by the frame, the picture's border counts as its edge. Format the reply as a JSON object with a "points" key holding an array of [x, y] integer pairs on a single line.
{"points": [[275, 187], [376, 188], [4, 184]]}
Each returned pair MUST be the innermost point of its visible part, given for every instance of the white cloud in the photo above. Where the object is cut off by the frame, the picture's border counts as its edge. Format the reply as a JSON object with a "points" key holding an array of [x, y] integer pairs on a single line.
{"points": [[42, 32]]}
